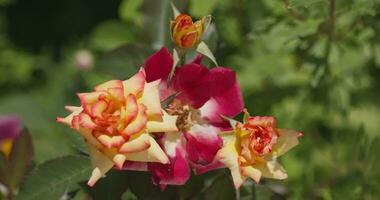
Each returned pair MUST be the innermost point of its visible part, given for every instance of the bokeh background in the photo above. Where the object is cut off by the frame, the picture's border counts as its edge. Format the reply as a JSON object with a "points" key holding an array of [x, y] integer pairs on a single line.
{"points": [[314, 64]]}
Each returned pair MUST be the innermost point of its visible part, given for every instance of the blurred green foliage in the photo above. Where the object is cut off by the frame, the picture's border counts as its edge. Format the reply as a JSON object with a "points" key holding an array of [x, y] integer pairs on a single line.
{"points": [[314, 64]]}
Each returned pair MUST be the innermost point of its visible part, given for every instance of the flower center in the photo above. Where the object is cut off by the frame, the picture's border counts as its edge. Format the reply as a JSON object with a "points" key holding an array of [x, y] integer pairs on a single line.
{"points": [[187, 116], [257, 141]]}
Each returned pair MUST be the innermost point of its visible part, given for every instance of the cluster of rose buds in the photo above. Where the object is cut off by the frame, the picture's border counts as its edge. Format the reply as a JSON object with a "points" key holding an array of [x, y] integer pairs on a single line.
{"points": [[170, 120]]}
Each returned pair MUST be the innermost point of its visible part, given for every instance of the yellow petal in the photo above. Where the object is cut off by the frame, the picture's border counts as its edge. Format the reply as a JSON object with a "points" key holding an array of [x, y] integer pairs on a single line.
{"points": [[141, 143], [252, 172], [135, 84], [229, 156], [73, 108], [168, 124], [89, 138], [109, 84], [287, 140], [101, 163], [151, 99], [119, 160], [153, 154], [272, 169]]}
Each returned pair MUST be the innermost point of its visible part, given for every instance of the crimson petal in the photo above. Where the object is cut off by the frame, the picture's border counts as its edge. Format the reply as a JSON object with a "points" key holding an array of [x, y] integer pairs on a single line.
{"points": [[158, 65]]}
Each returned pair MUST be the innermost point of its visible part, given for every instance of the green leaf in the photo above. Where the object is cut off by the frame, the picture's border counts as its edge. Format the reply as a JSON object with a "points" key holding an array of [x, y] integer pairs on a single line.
{"points": [[111, 34], [176, 60], [129, 10], [203, 49], [52, 179]]}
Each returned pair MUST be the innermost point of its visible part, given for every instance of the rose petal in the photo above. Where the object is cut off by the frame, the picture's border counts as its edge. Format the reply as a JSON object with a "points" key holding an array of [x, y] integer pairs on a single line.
{"points": [[202, 144], [135, 145], [135, 166], [176, 172], [101, 163], [158, 66], [201, 169], [272, 169], [138, 124], [287, 140], [168, 124], [188, 81], [229, 156], [109, 84], [151, 99], [230, 103], [135, 84], [153, 154]]}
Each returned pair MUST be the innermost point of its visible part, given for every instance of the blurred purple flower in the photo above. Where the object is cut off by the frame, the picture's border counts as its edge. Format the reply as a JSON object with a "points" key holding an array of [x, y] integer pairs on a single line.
{"points": [[10, 127]]}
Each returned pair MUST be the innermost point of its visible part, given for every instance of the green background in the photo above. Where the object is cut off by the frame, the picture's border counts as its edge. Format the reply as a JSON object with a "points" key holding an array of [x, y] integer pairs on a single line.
{"points": [[313, 64]]}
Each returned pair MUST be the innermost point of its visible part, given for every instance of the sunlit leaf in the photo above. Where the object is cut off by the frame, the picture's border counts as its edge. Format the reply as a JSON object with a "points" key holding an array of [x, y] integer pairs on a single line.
{"points": [[203, 49]]}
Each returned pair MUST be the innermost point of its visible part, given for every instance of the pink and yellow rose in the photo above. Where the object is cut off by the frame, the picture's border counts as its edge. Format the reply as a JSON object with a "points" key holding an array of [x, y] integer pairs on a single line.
{"points": [[252, 148], [117, 120]]}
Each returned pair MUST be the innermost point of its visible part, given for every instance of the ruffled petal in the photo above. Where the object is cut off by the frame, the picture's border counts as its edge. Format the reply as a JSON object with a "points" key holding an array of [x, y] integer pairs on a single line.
{"points": [[176, 172], [158, 66], [188, 81], [229, 156], [138, 124], [287, 140], [229, 103], [203, 142]]}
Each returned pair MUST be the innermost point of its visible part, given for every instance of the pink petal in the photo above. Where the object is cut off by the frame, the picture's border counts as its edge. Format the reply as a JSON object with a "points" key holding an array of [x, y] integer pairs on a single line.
{"points": [[229, 103], [175, 173], [135, 166], [200, 169], [188, 81], [218, 81], [203, 142], [158, 66]]}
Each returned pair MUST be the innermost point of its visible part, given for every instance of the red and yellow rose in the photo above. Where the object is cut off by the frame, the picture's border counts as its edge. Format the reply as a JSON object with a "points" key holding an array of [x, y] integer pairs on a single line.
{"points": [[116, 121]]}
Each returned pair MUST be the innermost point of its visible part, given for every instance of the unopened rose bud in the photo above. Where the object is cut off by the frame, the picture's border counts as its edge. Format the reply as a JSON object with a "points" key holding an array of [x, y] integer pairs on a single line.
{"points": [[185, 33]]}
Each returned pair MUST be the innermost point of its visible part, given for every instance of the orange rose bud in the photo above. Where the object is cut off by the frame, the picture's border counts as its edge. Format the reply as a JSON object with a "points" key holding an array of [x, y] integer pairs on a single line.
{"points": [[185, 33]]}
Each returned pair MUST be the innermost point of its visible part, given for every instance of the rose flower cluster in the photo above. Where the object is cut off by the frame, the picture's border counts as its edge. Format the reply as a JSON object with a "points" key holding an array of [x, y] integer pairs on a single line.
{"points": [[171, 120]]}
